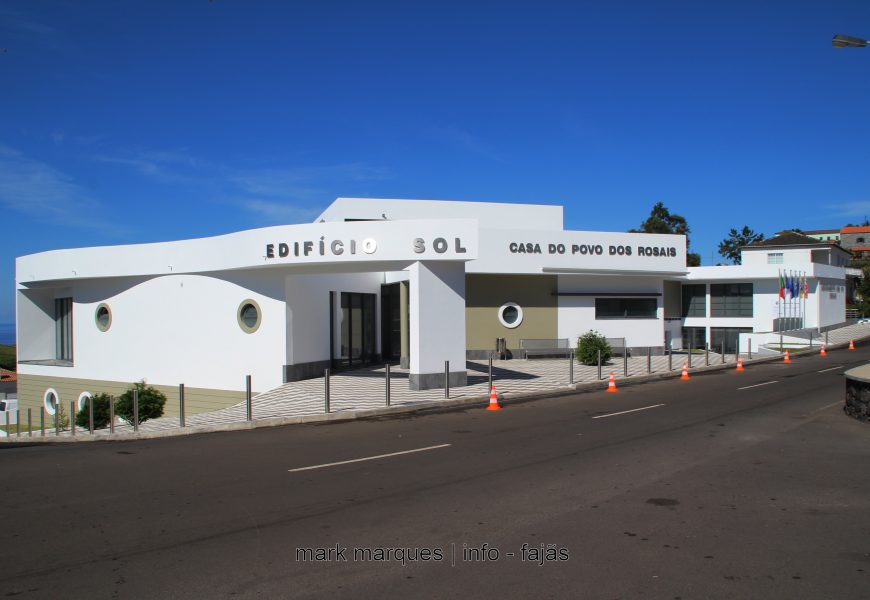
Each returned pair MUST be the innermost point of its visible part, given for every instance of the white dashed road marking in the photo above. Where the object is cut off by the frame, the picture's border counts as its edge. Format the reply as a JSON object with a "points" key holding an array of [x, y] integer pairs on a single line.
{"points": [[344, 462], [757, 385], [627, 411]]}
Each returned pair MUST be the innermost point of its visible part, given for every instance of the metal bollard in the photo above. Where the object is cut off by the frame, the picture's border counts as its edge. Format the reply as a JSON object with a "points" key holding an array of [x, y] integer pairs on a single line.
{"points": [[56, 419], [707, 354], [387, 390], [670, 358], [181, 405], [17, 422], [750, 348], [91, 415], [690, 356], [29, 425], [649, 359], [41, 421], [326, 391], [72, 417], [723, 353], [447, 379], [826, 338], [111, 414], [599, 363], [7, 425], [490, 374], [737, 352], [571, 369], [136, 411], [249, 404], [625, 361]]}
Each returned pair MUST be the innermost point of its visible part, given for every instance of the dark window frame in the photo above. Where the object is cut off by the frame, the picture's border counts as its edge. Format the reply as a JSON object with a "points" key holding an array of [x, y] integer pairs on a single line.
{"points": [[619, 309], [690, 309], [731, 300]]}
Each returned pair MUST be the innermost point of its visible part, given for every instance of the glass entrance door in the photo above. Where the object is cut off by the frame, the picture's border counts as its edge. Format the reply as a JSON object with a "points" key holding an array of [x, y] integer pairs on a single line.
{"points": [[357, 329]]}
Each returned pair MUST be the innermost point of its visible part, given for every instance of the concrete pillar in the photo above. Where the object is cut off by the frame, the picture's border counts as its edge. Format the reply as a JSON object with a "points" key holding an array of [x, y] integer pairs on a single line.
{"points": [[437, 327], [404, 327]]}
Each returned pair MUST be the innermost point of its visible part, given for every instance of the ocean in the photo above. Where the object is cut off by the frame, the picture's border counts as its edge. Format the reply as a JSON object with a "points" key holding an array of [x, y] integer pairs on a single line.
{"points": [[7, 333]]}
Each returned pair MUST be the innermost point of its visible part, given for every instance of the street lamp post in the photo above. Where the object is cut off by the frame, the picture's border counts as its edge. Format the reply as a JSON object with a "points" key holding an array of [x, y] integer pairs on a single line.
{"points": [[847, 41]]}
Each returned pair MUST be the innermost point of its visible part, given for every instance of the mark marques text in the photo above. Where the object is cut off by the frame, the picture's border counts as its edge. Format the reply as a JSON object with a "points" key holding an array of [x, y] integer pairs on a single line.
{"points": [[539, 554]]}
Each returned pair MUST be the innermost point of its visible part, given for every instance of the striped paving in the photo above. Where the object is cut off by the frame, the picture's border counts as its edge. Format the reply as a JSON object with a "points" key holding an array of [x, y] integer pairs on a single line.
{"points": [[363, 389]]}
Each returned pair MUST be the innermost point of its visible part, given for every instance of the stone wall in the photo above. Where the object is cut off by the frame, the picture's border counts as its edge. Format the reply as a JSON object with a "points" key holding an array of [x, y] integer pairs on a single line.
{"points": [[857, 398]]}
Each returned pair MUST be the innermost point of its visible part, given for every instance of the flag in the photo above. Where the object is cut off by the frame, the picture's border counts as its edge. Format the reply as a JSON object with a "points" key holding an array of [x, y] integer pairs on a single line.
{"points": [[787, 286], [806, 287], [781, 286]]}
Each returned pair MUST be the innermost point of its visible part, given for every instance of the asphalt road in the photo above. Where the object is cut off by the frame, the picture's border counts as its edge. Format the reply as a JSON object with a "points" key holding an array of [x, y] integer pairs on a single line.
{"points": [[722, 491]]}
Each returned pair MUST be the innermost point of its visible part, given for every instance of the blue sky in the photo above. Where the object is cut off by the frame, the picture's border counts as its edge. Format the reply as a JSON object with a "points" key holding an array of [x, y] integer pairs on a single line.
{"points": [[125, 122]]}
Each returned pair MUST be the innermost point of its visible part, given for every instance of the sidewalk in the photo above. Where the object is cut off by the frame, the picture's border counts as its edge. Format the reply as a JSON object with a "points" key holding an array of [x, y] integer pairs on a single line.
{"points": [[359, 393]]}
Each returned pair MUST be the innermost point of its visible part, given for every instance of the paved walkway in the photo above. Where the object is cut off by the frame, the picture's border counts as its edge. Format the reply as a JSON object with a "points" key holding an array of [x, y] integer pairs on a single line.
{"points": [[365, 388]]}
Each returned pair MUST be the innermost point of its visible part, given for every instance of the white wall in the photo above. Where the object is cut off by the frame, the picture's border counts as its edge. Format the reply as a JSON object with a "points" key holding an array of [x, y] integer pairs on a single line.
{"points": [[506, 251], [490, 214], [347, 246], [437, 307], [576, 314], [831, 304], [35, 324], [790, 256], [178, 329]]}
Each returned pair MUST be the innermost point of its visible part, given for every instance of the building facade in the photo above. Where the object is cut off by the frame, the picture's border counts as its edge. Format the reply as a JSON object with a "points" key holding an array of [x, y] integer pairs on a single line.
{"points": [[372, 280]]}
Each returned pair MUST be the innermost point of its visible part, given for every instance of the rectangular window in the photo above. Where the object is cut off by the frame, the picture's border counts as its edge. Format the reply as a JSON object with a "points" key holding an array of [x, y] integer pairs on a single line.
{"points": [[774, 258], [727, 337], [731, 300], [63, 329], [625, 308], [695, 300], [694, 337]]}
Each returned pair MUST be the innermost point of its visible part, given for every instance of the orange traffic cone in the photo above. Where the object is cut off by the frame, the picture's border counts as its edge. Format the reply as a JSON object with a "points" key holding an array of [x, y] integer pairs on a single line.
{"points": [[851, 344], [685, 373], [611, 383], [823, 352], [493, 400], [740, 364], [787, 358]]}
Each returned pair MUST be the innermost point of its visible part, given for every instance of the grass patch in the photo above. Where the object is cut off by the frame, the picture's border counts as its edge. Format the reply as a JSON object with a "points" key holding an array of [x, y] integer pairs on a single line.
{"points": [[7, 357], [13, 429]]}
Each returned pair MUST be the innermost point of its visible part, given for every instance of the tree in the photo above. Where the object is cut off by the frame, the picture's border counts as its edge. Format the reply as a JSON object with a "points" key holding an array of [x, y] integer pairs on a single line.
{"points": [[730, 247], [151, 402], [863, 292], [661, 220]]}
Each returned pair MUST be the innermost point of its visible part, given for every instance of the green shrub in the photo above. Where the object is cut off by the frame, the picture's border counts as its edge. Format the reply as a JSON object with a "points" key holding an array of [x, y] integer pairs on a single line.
{"points": [[151, 402], [588, 346], [101, 412]]}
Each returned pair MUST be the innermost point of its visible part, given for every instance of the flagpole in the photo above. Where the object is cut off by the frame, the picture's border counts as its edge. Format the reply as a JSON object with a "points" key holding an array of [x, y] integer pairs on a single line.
{"points": [[779, 301], [804, 296]]}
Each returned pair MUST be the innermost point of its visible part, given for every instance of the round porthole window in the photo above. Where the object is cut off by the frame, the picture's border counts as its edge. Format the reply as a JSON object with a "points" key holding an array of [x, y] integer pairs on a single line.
{"points": [[50, 401], [510, 314], [83, 399], [249, 316], [103, 317]]}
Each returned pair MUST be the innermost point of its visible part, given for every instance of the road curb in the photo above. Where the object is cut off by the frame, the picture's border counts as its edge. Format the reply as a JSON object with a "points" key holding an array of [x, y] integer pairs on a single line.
{"points": [[427, 406]]}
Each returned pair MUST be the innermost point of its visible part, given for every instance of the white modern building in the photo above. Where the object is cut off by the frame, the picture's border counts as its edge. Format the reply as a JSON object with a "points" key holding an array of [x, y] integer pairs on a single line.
{"points": [[372, 280]]}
